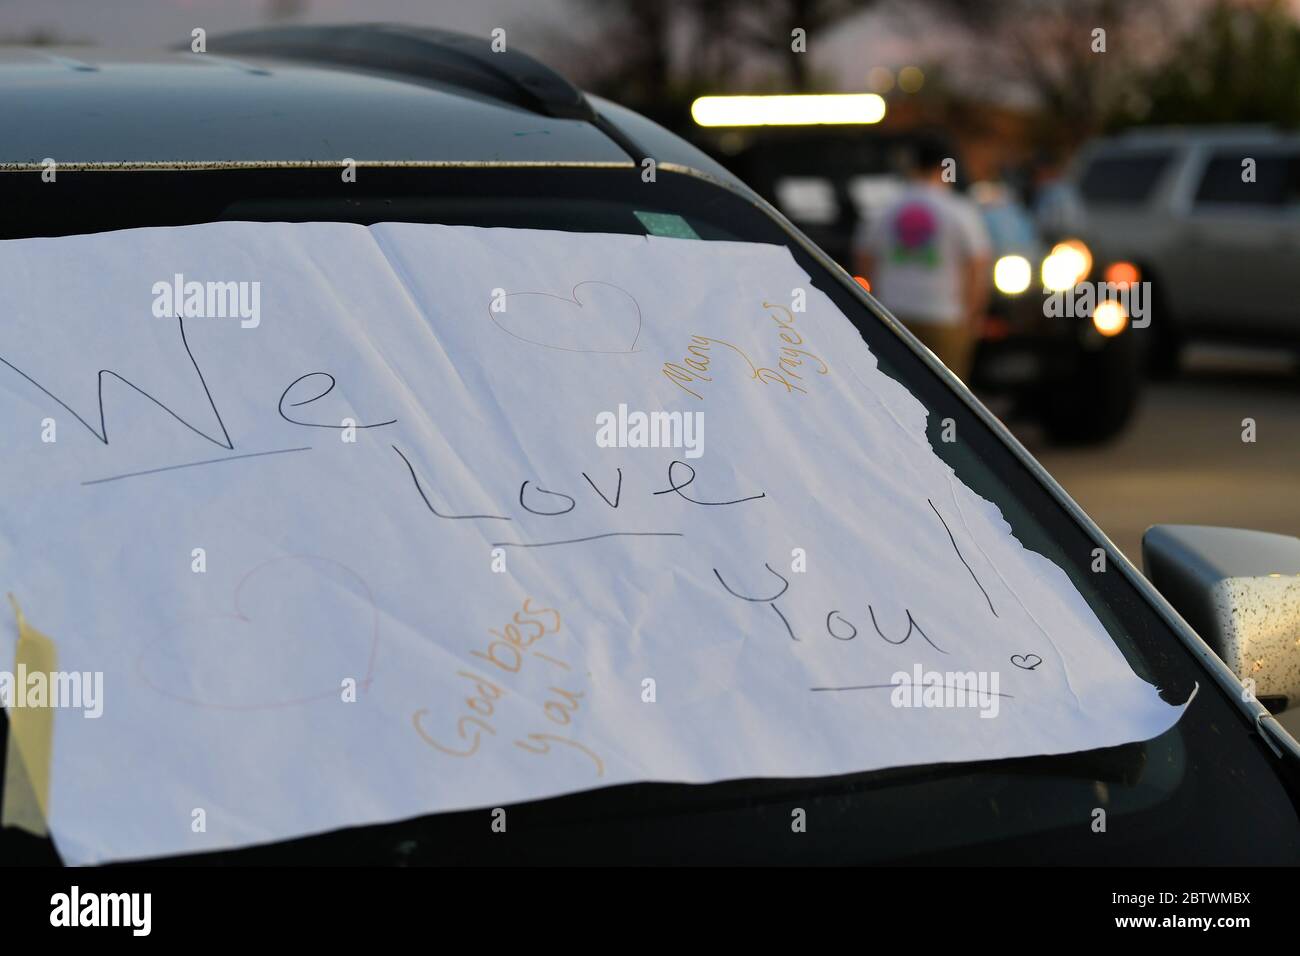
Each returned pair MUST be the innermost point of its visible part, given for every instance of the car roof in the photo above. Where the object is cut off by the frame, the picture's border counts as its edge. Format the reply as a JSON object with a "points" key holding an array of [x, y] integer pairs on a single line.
{"points": [[1176, 136], [91, 106]]}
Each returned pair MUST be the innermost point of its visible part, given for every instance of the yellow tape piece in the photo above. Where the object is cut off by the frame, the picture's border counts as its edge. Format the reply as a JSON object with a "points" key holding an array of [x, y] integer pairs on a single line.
{"points": [[26, 798]]}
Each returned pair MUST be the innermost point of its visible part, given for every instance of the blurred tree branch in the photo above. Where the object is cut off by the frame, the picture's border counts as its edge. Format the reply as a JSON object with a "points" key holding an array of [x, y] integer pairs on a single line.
{"points": [[766, 27], [1241, 65], [1162, 61], [658, 56], [1048, 49]]}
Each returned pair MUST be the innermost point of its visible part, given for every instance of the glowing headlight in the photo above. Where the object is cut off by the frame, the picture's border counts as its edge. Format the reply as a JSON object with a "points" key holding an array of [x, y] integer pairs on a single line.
{"points": [[1011, 274], [1109, 318], [1068, 264]]}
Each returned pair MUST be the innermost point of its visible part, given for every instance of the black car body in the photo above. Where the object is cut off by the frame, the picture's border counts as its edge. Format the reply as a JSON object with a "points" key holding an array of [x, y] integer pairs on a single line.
{"points": [[259, 128], [1081, 385]]}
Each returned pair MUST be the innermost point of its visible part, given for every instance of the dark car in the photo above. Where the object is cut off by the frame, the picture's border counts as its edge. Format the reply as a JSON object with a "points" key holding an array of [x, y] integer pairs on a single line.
{"points": [[1082, 383], [443, 130]]}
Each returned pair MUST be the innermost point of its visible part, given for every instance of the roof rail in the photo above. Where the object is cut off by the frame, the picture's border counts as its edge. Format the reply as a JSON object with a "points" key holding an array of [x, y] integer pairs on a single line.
{"points": [[425, 53]]}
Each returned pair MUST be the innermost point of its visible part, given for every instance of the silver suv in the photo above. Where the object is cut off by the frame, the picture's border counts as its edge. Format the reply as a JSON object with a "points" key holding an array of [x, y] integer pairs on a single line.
{"points": [[1211, 217]]}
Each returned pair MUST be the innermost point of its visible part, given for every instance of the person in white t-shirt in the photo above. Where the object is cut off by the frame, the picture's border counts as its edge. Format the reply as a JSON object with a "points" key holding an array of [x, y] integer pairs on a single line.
{"points": [[927, 258]]}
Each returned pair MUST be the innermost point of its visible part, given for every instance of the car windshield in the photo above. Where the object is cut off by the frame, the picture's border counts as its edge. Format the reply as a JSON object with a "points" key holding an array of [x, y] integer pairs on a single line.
{"points": [[1158, 795]]}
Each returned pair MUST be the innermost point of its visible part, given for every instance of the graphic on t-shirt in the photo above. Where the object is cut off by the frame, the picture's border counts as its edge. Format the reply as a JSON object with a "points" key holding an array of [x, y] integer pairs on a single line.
{"points": [[916, 235]]}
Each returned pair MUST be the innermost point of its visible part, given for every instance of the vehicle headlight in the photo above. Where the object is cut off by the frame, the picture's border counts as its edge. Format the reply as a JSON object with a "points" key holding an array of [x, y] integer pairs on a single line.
{"points": [[1068, 264], [1011, 274], [1109, 318]]}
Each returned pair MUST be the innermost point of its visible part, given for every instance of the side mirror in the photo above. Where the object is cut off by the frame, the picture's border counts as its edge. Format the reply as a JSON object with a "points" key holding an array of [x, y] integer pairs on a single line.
{"points": [[1240, 590]]}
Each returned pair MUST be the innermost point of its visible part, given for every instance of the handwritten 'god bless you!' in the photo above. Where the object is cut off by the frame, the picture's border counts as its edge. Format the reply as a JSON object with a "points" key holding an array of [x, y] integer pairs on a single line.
{"points": [[513, 647], [695, 366]]}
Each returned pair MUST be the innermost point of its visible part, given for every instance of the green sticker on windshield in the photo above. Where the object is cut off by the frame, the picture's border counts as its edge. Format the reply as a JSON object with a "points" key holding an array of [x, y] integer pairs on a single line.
{"points": [[667, 224]]}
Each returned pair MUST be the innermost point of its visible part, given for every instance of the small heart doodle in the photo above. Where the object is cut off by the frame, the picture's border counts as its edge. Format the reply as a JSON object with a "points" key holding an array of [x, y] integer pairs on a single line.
{"points": [[296, 627], [596, 317], [1026, 662]]}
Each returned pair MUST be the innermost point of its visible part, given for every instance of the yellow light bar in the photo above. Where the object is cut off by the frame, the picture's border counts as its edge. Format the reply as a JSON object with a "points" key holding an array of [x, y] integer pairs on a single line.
{"points": [[788, 110]]}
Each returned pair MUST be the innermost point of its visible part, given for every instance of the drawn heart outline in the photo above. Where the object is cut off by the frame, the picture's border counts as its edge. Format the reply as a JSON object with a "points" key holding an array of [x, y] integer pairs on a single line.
{"points": [[240, 615], [572, 298], [1022, 661]]}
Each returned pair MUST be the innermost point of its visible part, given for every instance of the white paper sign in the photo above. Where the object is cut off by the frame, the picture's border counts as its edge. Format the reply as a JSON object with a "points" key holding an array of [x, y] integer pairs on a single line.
{"points": [[408, 461]]}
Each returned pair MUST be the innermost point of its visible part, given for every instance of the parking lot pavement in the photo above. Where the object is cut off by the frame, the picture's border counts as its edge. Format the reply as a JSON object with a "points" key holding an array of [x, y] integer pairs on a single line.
{"points": [[1183, 461]]}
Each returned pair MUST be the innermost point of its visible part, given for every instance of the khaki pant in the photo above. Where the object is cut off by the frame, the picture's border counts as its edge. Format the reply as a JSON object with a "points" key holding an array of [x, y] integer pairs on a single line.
{"points": [[953, 344]]}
